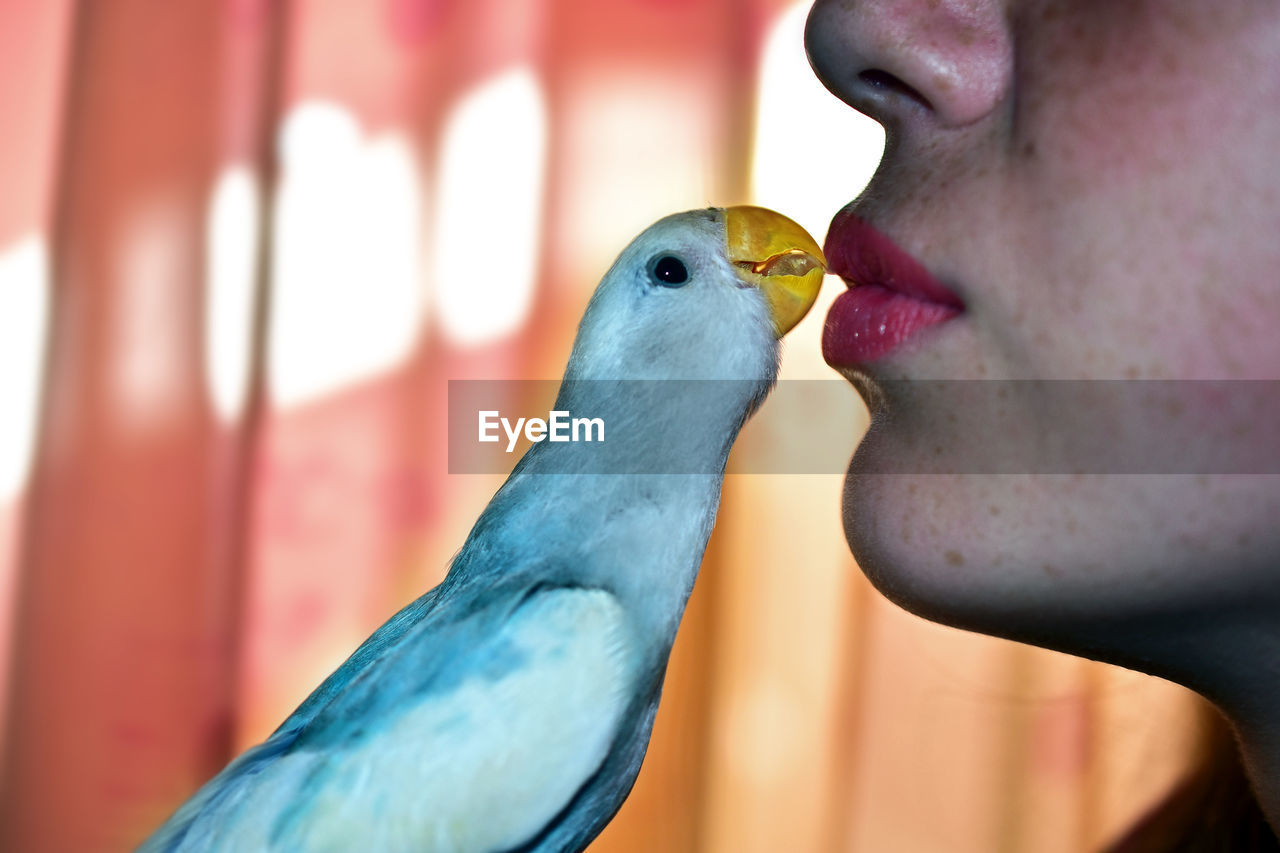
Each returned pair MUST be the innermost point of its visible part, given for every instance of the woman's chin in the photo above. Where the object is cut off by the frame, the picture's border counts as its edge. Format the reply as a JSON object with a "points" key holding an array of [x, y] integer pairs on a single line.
{"points": [[1098, 565], [1002, 554], [897, 527]]}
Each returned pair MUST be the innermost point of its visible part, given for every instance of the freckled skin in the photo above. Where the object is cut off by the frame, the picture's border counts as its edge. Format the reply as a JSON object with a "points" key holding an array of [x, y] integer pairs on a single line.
{"points": [[1099, 182]]}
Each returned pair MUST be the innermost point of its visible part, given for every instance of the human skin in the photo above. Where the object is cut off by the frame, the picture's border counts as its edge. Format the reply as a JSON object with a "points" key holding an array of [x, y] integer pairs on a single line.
{"points": [[1099, 182]]}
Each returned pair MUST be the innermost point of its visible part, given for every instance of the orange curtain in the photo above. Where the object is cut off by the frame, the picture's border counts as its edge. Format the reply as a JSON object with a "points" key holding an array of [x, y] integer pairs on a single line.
{"points": [[248, 243]]}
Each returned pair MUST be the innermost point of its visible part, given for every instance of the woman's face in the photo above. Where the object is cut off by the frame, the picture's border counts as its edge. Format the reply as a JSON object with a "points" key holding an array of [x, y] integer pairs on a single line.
{"points": [[1098, 182]]}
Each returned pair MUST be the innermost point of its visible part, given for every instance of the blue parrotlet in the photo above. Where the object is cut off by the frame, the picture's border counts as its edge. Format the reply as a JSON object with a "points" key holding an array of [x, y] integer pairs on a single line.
{"points": [[509, 708]]}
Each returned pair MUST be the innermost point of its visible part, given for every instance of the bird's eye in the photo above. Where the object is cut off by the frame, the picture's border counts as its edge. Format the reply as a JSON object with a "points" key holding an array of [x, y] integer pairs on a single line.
{"points": [[669, 271]]}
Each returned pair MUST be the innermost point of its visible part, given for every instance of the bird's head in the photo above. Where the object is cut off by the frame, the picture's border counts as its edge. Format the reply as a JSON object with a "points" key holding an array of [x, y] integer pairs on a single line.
{"points": [[700, 295]]}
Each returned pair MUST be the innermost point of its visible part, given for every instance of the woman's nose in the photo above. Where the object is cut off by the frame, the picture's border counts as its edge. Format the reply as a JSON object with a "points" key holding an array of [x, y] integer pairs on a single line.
{"points": [[892, 59]]}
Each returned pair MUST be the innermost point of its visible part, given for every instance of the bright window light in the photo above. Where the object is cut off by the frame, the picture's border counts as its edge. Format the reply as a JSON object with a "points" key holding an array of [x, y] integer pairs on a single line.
{"points": [[147, 378], [347, 285], [232, 244], [24, 309], [492, 171], [642, 143], [813, 153]]}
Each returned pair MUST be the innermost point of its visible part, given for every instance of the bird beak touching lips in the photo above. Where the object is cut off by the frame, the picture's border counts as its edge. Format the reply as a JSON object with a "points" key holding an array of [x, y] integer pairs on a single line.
{"points": [[775, 254]]}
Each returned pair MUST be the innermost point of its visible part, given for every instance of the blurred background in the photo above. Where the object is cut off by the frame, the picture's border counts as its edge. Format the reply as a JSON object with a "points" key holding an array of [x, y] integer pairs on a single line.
{"points": [[243, 247]]}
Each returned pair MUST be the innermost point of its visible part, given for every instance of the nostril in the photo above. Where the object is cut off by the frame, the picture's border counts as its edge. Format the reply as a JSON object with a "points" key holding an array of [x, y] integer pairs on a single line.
{"points": [[884, 82]]}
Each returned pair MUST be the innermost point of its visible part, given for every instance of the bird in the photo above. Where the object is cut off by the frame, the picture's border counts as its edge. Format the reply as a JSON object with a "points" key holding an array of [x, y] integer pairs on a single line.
{"points": [[509, 708]]}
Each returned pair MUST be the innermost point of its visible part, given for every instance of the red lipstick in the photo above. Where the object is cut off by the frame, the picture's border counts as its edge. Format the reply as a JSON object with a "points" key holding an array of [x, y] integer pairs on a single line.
{"points": [[891, 295]]}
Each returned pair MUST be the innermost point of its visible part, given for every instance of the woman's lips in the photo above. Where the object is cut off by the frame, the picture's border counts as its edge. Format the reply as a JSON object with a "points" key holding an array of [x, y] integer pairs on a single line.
{"points": [[891, 295]]}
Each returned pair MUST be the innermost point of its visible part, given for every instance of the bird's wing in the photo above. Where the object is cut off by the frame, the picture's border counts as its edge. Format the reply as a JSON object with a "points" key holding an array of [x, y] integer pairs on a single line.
{"points": [[470, 736], [220, 792]]}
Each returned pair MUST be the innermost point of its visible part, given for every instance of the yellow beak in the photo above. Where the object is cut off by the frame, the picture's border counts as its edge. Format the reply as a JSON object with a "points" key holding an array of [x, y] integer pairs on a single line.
{"points": [[775, 254]]}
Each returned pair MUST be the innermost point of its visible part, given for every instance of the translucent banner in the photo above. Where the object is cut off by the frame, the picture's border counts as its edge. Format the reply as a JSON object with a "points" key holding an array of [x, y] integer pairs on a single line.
{"points": [[915, 427]]}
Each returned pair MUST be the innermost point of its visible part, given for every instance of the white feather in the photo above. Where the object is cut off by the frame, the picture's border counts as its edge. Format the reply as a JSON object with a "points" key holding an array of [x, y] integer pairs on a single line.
{"points": [[482, 767]]}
